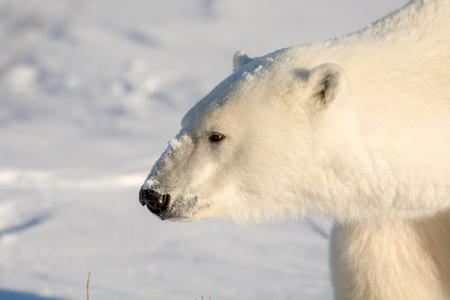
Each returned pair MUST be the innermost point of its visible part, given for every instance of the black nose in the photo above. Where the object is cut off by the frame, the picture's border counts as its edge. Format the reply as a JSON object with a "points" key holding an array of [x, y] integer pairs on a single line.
{"points": [[156, 202]]}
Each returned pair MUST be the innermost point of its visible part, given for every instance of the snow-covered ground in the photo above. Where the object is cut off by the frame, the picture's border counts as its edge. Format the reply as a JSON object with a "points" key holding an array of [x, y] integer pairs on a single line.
{"points": [[90, 91]]}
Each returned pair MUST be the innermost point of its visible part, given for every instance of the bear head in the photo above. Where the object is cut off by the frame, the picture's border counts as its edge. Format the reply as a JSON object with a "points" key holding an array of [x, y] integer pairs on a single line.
{"points": [[264, 144]]}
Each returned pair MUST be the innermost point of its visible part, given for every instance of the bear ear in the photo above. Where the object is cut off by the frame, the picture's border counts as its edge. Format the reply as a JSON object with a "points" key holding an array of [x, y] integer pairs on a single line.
{"points": [[325, 83], [240, 59]]}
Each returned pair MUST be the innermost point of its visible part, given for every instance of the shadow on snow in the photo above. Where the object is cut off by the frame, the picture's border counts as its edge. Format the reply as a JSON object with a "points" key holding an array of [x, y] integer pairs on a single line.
{"points": [[16, 295], [21, 227]]}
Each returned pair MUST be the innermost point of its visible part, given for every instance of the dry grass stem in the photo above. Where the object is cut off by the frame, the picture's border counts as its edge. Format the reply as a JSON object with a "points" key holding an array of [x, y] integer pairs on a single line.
{"points": [[87, 286]]}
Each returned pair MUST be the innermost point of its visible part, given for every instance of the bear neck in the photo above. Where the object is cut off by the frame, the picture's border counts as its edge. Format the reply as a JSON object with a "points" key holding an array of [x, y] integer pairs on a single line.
{"points": [[399, 260]]}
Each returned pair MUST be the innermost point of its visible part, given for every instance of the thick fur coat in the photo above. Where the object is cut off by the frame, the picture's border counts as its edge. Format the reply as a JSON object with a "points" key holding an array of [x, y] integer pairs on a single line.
{"points": [[356, 128]]}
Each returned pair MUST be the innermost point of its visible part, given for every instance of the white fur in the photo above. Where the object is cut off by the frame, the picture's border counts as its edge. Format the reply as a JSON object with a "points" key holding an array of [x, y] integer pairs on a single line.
{"points": [[355, 128], [400, 260]]}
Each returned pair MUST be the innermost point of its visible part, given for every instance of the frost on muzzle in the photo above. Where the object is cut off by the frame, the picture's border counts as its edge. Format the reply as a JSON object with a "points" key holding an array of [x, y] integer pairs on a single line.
{"points": [[150, 194]]}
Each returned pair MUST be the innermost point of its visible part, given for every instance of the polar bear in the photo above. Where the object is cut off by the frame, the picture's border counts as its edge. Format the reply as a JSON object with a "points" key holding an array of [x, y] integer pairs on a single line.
{"points": [[356, 128]]}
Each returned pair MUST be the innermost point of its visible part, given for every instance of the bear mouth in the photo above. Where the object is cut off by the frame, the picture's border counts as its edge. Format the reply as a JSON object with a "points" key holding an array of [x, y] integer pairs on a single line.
{"points": [[156, 203], [158, 210], [166, 207]]}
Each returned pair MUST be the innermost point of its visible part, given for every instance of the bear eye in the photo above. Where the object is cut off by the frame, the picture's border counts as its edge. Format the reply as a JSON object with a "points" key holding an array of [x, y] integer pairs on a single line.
{"points": [[216, 137]]}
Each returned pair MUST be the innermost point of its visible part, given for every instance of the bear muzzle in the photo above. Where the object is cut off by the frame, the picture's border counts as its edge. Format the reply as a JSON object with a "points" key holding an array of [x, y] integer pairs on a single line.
{"points": [[155, 202]]}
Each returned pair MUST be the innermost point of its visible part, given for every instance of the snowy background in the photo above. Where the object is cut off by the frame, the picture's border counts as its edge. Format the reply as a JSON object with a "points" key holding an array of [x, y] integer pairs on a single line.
{"points": [[90, 92]]}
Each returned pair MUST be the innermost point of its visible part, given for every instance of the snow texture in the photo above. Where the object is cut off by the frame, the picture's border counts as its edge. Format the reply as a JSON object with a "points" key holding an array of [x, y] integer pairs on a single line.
{"points": [[89, 94]]}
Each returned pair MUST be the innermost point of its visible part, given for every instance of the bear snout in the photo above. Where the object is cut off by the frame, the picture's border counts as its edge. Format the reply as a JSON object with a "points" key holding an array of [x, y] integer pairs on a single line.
{"points": [[155, 202]]}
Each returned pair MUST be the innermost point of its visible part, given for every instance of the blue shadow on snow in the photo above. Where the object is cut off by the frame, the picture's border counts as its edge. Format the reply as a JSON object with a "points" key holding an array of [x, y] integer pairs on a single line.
{"points": [[15, 295], [31, 223]]}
